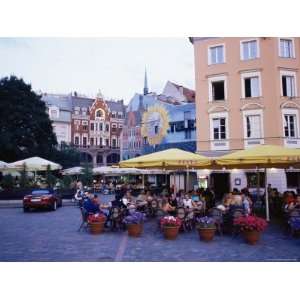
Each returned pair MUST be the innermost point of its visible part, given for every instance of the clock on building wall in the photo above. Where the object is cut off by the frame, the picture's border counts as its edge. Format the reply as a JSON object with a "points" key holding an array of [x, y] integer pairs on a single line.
{"points": [[155, 124]]}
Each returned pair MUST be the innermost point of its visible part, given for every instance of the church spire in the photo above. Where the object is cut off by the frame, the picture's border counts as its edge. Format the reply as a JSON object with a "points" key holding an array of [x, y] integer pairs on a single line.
{"points": [[146, 90]]}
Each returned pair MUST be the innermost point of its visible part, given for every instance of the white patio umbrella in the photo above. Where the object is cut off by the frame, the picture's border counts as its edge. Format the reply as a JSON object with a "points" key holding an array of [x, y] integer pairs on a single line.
{"points": [[3, 165], [72, 171], [34, 164]]}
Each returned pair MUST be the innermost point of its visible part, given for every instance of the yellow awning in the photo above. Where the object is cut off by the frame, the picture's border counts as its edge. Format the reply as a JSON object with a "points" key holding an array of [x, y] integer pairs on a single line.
{"points": [[168, 159], [265, 156]]}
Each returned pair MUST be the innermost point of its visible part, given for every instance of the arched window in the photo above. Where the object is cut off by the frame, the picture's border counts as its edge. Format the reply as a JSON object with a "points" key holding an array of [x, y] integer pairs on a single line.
{"points": [[99, 113]]}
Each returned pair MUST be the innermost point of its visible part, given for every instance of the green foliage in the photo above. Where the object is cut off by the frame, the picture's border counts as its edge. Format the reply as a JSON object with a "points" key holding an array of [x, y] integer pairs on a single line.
{"points": [[25, 127], [7, 181], [67, 156], [24, 182], [87, 175], [50, 178], [66, 182]]}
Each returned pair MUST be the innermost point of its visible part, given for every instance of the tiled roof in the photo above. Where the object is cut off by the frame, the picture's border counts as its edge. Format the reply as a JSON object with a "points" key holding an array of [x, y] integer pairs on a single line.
{"points": [[188, 93]]}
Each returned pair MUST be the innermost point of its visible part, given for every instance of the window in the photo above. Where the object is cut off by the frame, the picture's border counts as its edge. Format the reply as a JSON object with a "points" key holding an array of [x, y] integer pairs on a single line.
{"points": [[101, 142], [290, 128], [107, 142], [287, 48], [53, 113], [84, 110], [292, 180], [85, 125], [100, 126], [114, 143], [251, 87], [120, 126], [187, 134], [77, 109], [156, 129], [120, 115], [92, 126], [99, 113], [249, 50], [252, 179], [92, 141], [113, 114], [76, 140], [216, 55], [106, 127], [218, 90], [219, 128], [84, 141], [253, 123], [288, 85]]}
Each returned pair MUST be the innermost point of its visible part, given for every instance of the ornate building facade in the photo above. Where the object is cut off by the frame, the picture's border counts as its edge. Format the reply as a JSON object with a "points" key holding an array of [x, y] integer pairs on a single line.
{"points": [[95, 126]]}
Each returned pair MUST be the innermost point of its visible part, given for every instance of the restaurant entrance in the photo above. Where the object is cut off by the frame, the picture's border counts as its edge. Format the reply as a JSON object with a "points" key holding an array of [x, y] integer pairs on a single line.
{"points": [[220, 182]]}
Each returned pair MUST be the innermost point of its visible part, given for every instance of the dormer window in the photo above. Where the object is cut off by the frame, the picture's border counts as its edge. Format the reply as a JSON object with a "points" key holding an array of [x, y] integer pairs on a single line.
{"points": [[77, 110], [99, 113], [84, 111]]}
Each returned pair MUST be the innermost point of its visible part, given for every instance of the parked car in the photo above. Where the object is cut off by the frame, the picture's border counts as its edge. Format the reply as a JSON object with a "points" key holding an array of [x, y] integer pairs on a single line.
{"points": [[42, 199]]}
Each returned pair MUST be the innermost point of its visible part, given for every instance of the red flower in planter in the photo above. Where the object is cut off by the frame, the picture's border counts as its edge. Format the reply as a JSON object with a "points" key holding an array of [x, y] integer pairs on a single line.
{"points": [[96, 218], [251, 223], [170, 221]]}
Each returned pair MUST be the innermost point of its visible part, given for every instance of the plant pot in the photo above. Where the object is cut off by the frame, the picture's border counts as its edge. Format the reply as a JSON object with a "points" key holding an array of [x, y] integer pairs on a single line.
{"points": [[96, 227], [135, 230], [252, 236], [206, 234], [170, 232]]}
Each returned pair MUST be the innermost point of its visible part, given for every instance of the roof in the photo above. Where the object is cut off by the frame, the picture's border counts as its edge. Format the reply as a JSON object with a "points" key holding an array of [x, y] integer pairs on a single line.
{"points": [[62, 101], [116, 105], [188, 93]]}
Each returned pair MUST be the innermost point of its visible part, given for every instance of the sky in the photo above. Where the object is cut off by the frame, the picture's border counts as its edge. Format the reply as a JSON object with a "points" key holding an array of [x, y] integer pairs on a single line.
{"points": [[115, 66]]}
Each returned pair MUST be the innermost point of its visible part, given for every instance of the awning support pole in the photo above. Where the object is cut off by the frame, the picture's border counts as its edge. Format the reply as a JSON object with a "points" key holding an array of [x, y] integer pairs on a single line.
{"points": [[267, 196]]}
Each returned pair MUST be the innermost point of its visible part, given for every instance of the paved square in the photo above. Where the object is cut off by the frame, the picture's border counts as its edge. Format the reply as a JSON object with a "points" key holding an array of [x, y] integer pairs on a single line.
{"points": [[53, 236]]}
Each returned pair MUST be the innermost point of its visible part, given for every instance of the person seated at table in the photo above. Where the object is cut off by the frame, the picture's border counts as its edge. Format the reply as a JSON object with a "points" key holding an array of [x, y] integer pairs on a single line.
{"points": [[91, 204], [128, 199], [187, 202], [172, 201], [141, 201], [166, 207], [227, 200], [236, 202], [294, 203]]}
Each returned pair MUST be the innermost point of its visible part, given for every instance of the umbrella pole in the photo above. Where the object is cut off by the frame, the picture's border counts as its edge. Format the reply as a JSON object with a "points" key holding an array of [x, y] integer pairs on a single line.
{"points": [[187, 180], [257, 184], [267, 196], [143, 181]]}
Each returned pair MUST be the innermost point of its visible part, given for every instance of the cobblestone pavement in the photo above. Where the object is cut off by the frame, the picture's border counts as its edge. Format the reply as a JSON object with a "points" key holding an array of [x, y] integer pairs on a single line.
{"points": [[53, 236]]}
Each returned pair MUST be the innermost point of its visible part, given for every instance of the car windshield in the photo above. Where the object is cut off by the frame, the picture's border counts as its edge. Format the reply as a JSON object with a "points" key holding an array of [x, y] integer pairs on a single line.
{"points": [[40, 192]]}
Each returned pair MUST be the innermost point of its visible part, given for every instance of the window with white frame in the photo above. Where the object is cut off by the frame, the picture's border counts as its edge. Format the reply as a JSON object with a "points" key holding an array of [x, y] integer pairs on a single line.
{"points": [[288, 84], [290, 125], [219, 128], [216, 54], [286, 48], [253, 126], [76, 140], [249, 49], [251, 85], [217, 88]]}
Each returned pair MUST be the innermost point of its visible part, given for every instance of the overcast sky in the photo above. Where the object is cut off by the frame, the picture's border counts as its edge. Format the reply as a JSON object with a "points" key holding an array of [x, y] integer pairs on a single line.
{"points": [[116, 66]]}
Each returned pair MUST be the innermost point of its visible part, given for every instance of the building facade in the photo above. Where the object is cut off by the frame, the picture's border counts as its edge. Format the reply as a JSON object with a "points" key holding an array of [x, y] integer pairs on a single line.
{"points": [[95, 126], [157, 122], [247, 94]]}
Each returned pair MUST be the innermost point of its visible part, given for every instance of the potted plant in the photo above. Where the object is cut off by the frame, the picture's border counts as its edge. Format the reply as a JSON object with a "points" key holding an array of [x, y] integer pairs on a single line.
{"points": [[134, 222], [170, 226], [96, 223], [206, 228], [251, 227]]}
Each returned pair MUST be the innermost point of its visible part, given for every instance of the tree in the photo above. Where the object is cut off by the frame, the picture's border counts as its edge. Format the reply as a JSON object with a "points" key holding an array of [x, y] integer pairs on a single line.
{"points": [[25, 127], [68, 157], [87, 175], [50, 178], [24, 177]]}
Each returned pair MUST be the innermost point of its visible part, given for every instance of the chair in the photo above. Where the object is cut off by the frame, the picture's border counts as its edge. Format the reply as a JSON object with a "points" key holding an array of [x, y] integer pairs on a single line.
{"points": [[84, 219], [217, 215]]}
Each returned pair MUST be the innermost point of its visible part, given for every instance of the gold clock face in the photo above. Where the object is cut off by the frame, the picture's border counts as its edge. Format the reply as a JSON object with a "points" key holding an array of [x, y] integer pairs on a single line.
{"points": [[155, 124]]}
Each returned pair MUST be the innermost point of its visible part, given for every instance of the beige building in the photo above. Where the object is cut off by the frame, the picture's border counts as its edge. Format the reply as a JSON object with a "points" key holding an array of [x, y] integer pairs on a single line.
{"points": [[247, 93]]}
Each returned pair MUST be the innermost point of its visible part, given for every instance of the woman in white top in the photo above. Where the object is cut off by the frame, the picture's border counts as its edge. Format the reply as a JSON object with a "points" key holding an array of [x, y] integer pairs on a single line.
{"points": [[187, 202]]}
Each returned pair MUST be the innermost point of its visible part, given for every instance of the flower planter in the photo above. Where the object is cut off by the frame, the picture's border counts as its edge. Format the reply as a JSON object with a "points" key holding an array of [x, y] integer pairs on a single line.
{"points": [[206, 234], [251, 236], [135, 230], [170, 232], [96, 227]]}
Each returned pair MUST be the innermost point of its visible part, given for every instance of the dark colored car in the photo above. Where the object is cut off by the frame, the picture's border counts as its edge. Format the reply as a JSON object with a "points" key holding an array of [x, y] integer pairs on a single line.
{"points": [[42, 199]]}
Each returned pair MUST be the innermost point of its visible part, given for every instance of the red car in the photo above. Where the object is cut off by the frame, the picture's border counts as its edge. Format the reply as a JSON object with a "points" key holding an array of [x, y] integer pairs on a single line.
{"points": [[42, 198]]}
